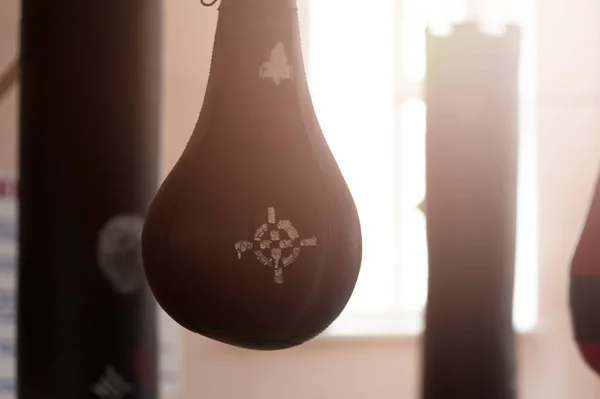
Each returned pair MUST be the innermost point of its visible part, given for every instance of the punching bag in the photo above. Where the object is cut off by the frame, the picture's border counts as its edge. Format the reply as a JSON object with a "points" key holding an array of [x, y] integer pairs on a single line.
{"points": [[472, 149], [253, 239], [88, 171], [585, 286]]}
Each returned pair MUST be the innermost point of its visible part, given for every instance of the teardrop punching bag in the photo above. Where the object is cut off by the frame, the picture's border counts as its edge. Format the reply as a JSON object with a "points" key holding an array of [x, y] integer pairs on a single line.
{"points": [[472, 152], [585, 286], [254, 239], [88, 171]]}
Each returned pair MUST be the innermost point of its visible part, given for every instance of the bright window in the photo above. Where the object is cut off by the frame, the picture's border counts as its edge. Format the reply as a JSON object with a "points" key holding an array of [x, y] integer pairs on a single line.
{"points": [[366, 64]]}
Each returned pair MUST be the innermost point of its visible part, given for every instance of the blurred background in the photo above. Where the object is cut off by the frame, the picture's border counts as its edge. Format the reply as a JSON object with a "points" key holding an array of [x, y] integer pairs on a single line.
{"points": [[373, 349]]}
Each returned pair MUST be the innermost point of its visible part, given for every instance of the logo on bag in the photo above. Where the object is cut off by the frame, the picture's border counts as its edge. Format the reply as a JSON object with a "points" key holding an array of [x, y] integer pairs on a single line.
{"points": [[120, 253], [111, 385], [277, 67], [276, 244]]}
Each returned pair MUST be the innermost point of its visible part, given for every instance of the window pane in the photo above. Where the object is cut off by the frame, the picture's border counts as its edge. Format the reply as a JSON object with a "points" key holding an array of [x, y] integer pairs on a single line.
{"points": [[412, 239], [354, 81], [414, 21], [351, 78], [440, 14]]}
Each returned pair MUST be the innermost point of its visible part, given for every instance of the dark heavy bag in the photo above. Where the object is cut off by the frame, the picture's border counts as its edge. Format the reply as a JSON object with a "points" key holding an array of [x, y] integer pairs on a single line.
{"points": [[88, 171], [472, 150], [585, 286]]}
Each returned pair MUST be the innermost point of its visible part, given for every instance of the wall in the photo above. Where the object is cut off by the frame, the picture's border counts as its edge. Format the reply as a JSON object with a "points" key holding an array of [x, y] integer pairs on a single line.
{"points": [[569, 120]]}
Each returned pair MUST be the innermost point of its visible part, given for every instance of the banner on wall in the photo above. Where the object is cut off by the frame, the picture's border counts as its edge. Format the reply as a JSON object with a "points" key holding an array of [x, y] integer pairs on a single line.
{"points": [[170, 341], [8, 284]]}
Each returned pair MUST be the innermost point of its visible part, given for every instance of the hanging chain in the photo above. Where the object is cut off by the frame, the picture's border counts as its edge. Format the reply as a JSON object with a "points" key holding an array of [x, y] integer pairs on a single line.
{"points": [[208, 3]]}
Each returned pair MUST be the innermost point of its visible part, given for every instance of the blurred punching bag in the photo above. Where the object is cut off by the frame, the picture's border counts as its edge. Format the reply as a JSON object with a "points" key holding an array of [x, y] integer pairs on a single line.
{"points": [[88, 171], [254, 239], [472, 148], [585, 286]]}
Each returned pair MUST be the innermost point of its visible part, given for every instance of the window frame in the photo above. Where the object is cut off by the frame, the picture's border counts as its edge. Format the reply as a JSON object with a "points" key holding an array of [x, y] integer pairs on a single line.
{"points": [[398, 322]]}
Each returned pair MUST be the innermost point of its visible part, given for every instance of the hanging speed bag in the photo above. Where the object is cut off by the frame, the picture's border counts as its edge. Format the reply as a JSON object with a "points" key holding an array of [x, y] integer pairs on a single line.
{"points": [[585, 286], [254, 239]]}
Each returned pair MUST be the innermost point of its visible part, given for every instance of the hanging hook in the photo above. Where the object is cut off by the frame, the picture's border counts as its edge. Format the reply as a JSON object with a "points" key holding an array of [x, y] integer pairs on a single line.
{"points": [[208, 3]]}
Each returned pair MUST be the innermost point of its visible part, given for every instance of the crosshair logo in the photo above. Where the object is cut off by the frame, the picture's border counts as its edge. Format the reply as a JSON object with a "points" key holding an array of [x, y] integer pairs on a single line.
{"points": [[276, 244]]}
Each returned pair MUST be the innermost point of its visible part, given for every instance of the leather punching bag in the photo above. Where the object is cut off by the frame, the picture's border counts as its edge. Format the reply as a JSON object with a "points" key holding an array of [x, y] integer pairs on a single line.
{"points": [[254, 239], [585, 286], [472, 152], [88, 171]]}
